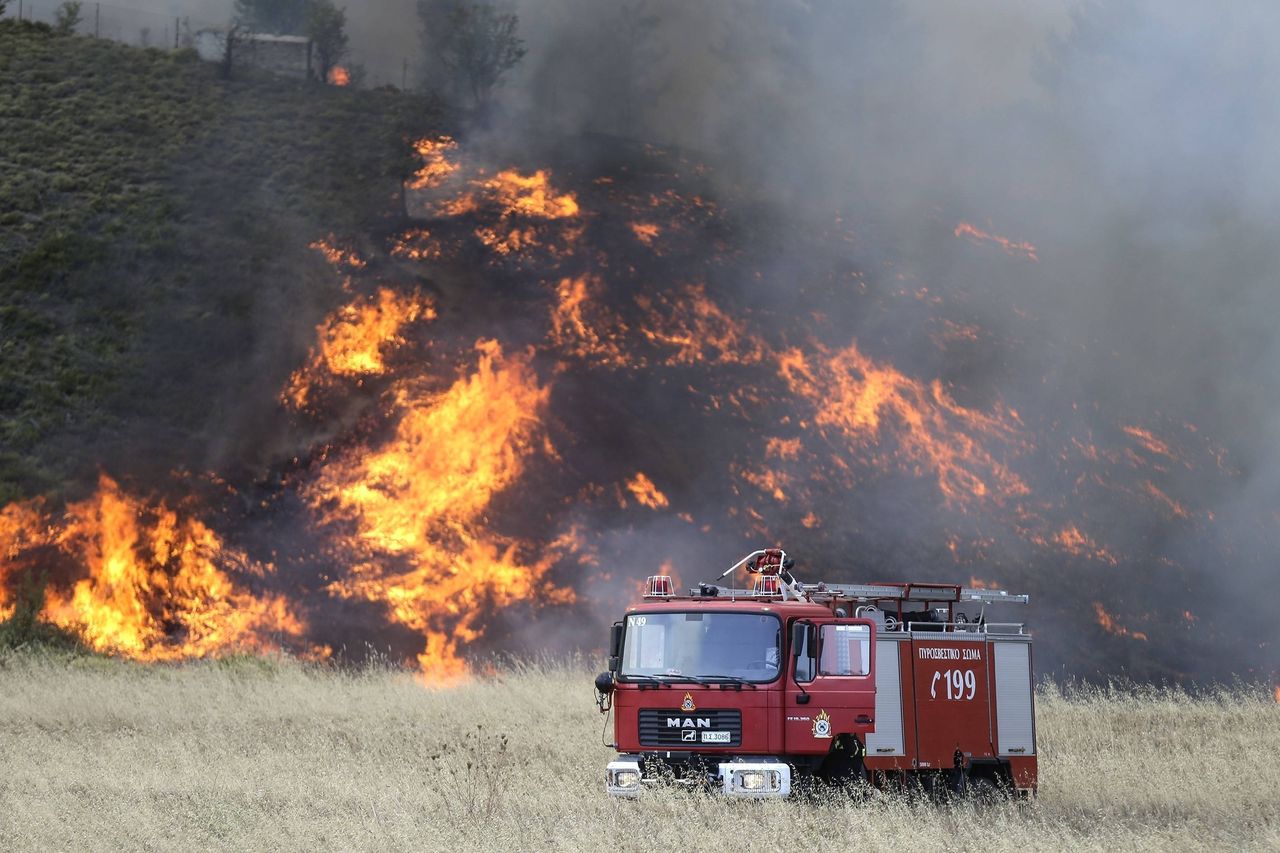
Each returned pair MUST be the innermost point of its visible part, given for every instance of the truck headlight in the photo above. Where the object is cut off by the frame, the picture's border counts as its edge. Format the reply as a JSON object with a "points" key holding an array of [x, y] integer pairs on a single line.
{"points": [[623, 778], [756, 781]]}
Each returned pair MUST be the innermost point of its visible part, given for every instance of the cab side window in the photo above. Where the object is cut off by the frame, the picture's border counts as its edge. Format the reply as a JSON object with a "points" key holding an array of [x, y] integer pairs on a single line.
{"points": [[846, 650], [806, 662]]}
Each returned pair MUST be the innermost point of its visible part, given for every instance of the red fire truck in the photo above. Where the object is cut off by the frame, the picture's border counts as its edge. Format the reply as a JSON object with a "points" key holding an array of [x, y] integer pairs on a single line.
{"points": [[756, 692]]}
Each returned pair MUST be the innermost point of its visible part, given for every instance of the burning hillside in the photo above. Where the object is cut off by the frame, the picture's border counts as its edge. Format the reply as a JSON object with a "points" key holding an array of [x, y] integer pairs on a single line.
{"points": [[550, 381], [153, 585]]}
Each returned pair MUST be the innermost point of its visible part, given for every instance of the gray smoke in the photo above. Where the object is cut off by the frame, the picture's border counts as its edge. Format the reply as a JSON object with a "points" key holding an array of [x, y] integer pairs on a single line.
{"points": [[1135, 143]]}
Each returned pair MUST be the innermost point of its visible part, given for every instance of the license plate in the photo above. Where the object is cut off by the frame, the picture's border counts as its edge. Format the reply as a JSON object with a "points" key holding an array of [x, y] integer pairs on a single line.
{"points": [[715, 737]]}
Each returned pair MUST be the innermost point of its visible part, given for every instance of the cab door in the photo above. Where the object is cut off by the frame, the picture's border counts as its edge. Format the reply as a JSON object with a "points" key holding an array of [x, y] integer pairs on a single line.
{"points": [[830, 689]]}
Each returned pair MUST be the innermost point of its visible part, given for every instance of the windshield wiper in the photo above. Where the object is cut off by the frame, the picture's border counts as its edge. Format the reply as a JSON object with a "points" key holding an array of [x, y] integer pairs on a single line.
{"points": [[650, 679], [667, 679], [733, 679]]}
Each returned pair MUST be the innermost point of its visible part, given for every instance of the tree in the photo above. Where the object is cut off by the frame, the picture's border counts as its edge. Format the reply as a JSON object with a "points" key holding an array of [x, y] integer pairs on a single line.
{"points": [[66, 18], [281, 17], [475, 43], [327, 29]]}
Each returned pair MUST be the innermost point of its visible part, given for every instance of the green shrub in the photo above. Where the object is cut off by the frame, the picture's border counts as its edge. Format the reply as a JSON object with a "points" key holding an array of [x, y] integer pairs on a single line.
{"points": [[26, 629]]}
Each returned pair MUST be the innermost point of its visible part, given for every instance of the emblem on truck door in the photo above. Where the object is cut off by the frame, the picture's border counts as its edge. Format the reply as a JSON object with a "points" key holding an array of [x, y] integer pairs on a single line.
{"points": [[687, 704], [822, 724]]}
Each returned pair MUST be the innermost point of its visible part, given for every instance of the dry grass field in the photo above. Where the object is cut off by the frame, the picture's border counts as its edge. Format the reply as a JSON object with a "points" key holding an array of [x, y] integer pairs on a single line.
{"points": [[266, 755]]}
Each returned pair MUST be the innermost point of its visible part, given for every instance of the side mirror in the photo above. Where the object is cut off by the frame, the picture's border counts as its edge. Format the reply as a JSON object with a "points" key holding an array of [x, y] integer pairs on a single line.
{"points": [[615, 647], [801, 637], [604, 691]]}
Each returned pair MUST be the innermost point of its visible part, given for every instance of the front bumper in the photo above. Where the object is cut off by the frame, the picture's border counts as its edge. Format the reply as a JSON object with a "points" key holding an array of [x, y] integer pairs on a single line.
{"points": [[749, 777]]}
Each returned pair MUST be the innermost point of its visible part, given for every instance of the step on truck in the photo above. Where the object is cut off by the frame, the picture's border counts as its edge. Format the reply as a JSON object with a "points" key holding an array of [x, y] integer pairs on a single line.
{"points": [[758, 692]]}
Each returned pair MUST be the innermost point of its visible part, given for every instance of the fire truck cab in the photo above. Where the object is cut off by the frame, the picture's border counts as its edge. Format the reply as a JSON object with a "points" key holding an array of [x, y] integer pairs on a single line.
{"points": [[753, 692]]}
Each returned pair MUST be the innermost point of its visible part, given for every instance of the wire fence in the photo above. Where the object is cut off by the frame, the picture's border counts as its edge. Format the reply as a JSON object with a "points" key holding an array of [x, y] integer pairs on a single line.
{"points": [[137, 27], [149, 28]]}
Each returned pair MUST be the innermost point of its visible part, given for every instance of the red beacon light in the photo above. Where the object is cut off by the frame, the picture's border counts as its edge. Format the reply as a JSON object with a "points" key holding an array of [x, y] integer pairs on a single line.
{"points": [[658, 586], [766, 585]]}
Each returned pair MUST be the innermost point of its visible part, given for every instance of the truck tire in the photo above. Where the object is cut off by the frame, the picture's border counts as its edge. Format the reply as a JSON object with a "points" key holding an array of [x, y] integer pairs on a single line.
{"points": [[985, 791]]}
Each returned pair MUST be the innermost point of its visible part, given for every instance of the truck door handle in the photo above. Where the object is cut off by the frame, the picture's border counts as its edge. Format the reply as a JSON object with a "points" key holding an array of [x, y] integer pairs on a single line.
{"points": [[863, 720], [802, 699]]}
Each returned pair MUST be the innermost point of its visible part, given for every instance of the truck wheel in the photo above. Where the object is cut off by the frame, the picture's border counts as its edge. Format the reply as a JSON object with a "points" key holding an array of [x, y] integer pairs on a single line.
{"points": [[984, 791]]}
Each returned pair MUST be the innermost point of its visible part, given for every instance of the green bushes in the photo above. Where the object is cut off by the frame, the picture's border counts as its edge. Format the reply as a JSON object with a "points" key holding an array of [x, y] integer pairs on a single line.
{"points": [[148, 210], [26, 630]]}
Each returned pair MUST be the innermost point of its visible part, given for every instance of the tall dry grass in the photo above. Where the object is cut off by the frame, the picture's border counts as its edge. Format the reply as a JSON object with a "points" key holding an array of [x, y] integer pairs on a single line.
{"points": [[272, 755]]}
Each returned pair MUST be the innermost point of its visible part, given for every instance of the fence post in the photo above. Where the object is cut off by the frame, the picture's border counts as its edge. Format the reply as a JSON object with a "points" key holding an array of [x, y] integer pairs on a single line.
{"points": [[404, 75], [97, 19], [176, 24], [19, 10]]}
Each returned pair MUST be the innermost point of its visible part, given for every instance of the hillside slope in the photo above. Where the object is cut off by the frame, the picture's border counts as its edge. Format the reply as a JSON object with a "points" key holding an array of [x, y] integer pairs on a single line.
{"points": [[154, 220]]}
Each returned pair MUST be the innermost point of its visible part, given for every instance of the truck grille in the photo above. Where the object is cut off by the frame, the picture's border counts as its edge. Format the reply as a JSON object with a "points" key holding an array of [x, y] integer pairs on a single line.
{"points": [[693, 729]]}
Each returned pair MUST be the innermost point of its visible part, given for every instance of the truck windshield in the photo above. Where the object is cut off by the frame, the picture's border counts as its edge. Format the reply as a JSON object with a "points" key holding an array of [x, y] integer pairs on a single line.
{"points": [[696, 645]]}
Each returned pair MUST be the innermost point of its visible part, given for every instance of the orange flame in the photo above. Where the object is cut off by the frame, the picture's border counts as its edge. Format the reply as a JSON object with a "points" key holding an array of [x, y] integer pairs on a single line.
{"points": [[416, 507], [579, 328], [645, 492], [1148, 440], [1277, 694], [523, 204], [436, 165], [515, 195], [646, 232], [417, 245], [339, 76], [336, 255], [977, 235], [1111, 626], [524, 196], [854, 396], [850, 394], [769, 481], [530, 195], [1174, 508], [686, 324], [354, 340], [511, 241], [22, 526], [697, 330], [1078, 544], [783, 448], [159, 586]]}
